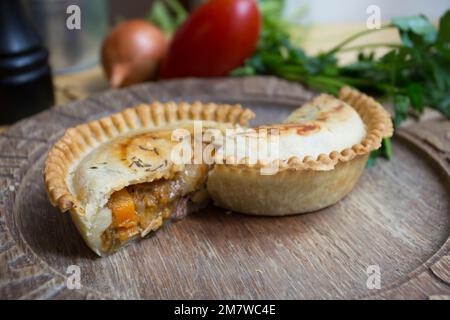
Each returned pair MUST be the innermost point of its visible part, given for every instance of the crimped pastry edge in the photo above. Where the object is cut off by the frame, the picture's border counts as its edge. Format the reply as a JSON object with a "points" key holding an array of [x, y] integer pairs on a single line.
{"points": [[378, 124], [78, 141]]}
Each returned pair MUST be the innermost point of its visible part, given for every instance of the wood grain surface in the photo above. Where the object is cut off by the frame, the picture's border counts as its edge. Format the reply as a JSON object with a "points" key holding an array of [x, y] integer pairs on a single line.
{"points": [[397, 217]]}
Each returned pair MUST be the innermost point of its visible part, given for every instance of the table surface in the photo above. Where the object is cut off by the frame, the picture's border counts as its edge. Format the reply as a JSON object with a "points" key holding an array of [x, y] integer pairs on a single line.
{"points": [[402, 203]]}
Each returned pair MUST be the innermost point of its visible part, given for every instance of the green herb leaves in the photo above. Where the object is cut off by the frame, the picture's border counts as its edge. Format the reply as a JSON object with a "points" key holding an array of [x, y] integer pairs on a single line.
{"points": [[444, 29], [385, 151], [415, 30], [167, 15], [401, 107]]}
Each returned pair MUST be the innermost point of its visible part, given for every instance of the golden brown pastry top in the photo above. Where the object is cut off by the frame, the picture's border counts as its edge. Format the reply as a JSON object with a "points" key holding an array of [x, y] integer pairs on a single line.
{"points": [[316, 136], [324, 125]]}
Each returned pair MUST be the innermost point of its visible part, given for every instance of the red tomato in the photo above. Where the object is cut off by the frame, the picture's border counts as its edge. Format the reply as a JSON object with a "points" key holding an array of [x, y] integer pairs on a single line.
{"points": [[215, 39]]}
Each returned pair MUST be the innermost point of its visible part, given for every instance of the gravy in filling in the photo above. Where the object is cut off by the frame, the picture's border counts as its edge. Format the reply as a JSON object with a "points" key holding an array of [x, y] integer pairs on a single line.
{"points": [[142, 208]]}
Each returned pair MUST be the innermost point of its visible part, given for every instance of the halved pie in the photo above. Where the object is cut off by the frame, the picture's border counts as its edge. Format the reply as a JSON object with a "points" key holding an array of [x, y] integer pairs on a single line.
{"points": [[117, 175], [316, 157], [118, 178]]}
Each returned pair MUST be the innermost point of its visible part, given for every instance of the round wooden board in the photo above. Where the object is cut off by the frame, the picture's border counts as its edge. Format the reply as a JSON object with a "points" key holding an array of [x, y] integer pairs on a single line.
{"points": [[396, 218]]}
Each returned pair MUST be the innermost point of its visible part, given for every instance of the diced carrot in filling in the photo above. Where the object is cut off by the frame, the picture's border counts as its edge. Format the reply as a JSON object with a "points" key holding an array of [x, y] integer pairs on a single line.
{"points": [[144, 207], [123, 209]]}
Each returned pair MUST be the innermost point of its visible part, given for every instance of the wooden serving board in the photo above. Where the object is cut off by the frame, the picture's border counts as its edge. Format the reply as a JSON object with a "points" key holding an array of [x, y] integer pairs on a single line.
{"points": [[397, 218]]}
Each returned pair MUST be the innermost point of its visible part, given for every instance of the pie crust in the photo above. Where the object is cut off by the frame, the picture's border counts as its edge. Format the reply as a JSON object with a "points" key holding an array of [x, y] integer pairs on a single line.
{"points": [[302, 184], [86, 166]]}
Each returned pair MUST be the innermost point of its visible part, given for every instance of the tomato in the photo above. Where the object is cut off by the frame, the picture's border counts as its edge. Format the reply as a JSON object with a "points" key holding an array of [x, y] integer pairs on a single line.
{"points": [[215, 39]]}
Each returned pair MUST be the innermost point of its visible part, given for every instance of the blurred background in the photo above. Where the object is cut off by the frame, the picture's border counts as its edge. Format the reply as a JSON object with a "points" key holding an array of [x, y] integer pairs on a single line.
{"points": [[72, 51], [355, 10], [62, 64]]}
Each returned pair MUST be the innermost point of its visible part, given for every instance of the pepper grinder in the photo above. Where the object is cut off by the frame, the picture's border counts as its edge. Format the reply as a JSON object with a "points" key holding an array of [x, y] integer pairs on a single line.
{"points": [[25, 77]]}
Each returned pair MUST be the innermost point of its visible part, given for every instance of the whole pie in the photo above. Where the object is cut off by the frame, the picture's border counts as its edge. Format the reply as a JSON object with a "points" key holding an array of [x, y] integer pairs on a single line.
{"points": [[117, 177], [120, 181]]}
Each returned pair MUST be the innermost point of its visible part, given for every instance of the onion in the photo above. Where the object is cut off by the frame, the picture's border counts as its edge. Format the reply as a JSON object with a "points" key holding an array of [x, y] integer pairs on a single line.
{"points": [[132, 51]]}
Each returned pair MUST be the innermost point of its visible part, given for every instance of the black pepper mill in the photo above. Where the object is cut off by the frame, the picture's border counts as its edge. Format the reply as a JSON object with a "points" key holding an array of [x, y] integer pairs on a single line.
{"points": [[25, 77]]}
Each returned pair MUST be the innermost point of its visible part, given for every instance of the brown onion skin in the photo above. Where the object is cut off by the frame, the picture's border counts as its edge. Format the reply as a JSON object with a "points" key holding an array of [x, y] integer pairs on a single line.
{"points": [[132, 52]]}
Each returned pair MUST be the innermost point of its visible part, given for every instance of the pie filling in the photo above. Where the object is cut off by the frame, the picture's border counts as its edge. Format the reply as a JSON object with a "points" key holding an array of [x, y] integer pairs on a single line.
{"points": [[141, 208]]}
